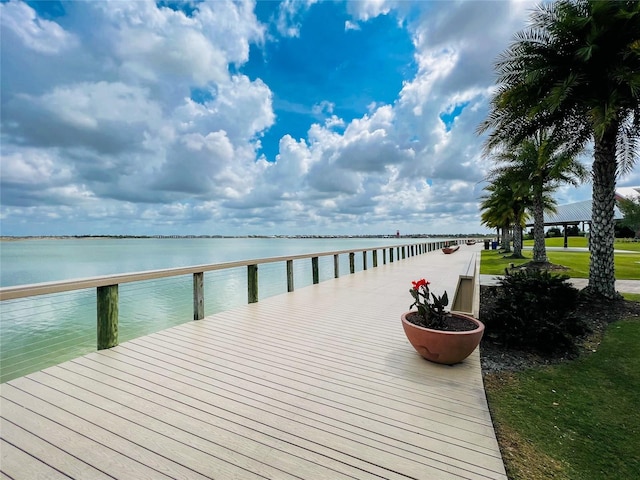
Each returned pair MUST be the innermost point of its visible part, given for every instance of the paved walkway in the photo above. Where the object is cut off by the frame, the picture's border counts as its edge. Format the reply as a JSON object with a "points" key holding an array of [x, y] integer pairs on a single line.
{"points": [[320, 383], [622, 286]]}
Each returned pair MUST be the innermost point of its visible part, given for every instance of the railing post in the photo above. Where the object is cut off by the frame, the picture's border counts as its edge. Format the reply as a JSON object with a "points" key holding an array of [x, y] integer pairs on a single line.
{"points": [[397, 253], [364, 260], [352, 262], [336, 266], [315, 271], [107, 316], [375, 258], [252, 283], [289, 275], [404, 252], [384, 256], [391, 255], [198, 296]]}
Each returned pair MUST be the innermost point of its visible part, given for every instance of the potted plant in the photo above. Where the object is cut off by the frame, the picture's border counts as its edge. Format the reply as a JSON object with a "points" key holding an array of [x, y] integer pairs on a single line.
{"points": [[439, 335], [449, 249]]}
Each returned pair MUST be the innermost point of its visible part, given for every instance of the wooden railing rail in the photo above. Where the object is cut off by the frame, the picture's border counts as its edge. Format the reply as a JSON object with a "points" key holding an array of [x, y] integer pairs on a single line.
{"points": [[107, 286]]}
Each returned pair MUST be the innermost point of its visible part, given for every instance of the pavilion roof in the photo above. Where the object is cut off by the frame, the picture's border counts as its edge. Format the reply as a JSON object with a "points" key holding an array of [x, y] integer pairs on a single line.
{"points": [[573, 214]]}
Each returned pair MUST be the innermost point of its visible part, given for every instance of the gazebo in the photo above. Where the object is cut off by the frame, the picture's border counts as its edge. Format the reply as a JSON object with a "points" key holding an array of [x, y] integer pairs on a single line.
{"points": [[573, 214]]}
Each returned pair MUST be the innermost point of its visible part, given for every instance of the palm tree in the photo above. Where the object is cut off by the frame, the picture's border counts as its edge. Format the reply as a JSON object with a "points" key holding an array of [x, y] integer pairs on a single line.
{"points": [[510, 188], [577, 67], [537, 167], [500, 208]]}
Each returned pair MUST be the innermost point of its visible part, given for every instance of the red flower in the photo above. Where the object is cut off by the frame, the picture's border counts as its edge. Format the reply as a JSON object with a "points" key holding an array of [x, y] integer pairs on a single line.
{"points": [[420, 283]]}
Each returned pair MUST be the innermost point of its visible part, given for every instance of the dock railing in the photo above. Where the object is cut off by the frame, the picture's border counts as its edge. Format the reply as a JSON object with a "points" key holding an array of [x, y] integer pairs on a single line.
{"points": [[107, 286]]}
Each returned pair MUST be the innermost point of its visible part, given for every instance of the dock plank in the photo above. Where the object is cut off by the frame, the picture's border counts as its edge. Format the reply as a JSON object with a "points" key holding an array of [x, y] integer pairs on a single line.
{"points": [[318, 383]]}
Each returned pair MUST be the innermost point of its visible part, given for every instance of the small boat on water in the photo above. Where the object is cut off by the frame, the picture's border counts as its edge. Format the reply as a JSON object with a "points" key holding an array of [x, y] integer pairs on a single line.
{"points": [[451, 249], [471, 242]]}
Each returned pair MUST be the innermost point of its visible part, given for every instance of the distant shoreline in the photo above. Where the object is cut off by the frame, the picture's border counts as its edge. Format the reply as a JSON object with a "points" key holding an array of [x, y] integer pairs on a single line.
{"points": [[118, 237]]}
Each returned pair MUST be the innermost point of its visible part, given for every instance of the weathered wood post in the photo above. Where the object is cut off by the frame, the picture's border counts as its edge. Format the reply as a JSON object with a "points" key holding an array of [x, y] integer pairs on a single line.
{"points": [[315, 270], [336, 266], [375, 258], [352, 262], [364, 260], [252, 283], [198, 296], [289, 275], [107, 316]]}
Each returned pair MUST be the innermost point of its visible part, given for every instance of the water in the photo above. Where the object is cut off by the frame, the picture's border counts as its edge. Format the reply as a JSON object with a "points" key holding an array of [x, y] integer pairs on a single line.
{"points": [[42, 331]]}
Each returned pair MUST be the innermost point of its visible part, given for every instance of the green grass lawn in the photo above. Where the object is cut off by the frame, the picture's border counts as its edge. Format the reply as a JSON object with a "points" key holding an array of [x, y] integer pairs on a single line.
{"points": [[581, 242], [627, 265], [577, 420]]}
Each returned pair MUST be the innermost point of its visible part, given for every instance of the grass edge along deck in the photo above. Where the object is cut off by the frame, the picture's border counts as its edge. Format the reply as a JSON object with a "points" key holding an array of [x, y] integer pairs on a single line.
{"points": [[318, 383]]}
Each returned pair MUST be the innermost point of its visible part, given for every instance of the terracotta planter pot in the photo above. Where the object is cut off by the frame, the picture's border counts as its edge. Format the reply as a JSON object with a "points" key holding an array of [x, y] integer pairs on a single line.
{"points": [[442, 346]]}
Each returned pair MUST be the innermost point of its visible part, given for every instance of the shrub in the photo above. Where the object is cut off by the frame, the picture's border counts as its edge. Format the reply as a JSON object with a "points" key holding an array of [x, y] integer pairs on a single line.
{"points": [[553, 232], [534, 309]]}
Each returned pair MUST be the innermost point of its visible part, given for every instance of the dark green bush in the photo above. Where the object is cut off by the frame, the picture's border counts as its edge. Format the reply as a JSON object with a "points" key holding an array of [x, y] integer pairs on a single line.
{"points": [[553, 232], [534, 309]]}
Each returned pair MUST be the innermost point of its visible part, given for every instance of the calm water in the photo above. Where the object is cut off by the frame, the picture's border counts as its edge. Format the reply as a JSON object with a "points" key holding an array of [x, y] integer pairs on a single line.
{"points": [[43, 331]]}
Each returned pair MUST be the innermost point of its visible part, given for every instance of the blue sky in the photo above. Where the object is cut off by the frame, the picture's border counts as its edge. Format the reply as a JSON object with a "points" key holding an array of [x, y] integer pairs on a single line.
{"points": [[239, 118]]}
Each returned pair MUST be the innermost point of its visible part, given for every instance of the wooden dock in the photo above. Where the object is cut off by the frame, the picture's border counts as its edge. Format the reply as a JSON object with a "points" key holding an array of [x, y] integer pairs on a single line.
{"points": [[315, 384]]}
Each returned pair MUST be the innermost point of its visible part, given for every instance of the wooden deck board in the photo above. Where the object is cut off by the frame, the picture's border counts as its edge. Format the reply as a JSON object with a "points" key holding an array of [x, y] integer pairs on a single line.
{"points": [[320, 383]]}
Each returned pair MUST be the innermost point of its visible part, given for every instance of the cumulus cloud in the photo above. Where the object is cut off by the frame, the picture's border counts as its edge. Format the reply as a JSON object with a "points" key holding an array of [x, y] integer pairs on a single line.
{"points": [[150, 122], [43, 36]]}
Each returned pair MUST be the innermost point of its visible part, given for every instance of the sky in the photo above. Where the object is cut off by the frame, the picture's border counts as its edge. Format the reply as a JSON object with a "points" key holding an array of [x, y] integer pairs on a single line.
{"points": [[249, 118]]}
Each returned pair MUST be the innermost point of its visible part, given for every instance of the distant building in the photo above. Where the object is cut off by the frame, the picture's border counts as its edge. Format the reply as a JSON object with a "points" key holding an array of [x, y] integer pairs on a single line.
{"points": [[627, 193], [580, 212]]}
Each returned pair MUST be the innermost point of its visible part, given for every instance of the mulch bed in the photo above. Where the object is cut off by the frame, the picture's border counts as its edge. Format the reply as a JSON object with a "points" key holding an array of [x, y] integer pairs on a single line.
{"points": [[596, 314]]}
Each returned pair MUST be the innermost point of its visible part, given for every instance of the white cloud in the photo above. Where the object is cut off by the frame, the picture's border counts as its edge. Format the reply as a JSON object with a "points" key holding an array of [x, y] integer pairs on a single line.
{"points": [[118, 135], [32, 168], [322, 107], [86, 105], [367, 9], [43, 36], [290, 14], [349, 25]]}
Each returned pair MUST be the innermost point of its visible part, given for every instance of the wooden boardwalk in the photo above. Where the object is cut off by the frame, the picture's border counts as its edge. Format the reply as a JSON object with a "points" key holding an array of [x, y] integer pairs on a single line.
{"points": [[316, 384]]}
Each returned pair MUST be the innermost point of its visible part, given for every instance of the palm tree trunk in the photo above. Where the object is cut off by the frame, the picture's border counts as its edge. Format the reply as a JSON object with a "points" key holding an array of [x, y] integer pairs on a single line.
{"points": [[506, 240], [539, 248], [517, 241], [602, 279]]}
